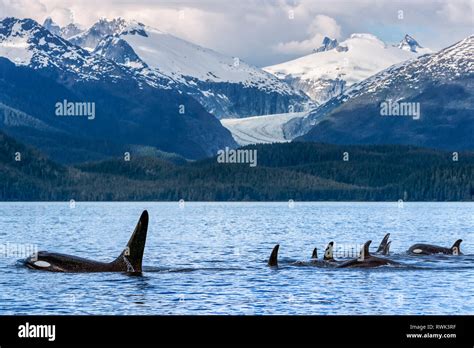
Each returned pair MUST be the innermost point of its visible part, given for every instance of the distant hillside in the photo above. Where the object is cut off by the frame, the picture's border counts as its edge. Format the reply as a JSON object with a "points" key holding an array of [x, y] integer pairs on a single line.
{"points": [[298, 171], [25, 174]]}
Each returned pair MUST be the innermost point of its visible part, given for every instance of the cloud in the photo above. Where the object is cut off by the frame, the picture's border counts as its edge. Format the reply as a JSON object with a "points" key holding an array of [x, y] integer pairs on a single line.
{"points": [[320, 27], [460, 12]]}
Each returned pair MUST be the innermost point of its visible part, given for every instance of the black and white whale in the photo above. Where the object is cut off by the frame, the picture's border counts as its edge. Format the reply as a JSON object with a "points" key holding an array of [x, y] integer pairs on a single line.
{"points": [[130, 260], [428, 249], [366, 260], [384, 247]]}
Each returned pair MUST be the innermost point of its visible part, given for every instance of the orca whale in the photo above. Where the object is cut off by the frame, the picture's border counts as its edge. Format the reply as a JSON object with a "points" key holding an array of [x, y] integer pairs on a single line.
{"points": [[130, 260], [427, 249], [366, 260], [384, 247]]}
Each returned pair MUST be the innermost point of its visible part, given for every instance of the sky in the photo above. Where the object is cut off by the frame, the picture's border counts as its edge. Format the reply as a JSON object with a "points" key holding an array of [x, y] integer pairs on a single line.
{"points": [[267, 32]]}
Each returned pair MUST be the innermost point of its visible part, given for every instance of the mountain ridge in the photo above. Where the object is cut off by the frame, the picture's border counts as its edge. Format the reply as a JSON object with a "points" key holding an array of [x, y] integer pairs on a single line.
{"points": [[326, 73], [226, 86], [441, 83], [132, 111]]}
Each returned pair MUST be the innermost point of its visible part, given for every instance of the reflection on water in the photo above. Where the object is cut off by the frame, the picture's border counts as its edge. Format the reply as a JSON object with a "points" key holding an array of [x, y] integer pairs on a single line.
{"points": [[210, 258]]}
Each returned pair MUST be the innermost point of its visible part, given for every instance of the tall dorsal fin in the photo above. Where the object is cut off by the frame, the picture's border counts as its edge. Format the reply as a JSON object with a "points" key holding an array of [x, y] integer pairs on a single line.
{"points": [[364, 251], [383, 243], [457, 244], [131, 258], [273, 260], [315, 253], [328, 254], [386, 249]]}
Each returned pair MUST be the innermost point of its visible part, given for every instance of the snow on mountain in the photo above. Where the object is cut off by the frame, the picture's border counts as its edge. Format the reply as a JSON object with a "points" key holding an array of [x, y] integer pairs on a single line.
{"points": [[410, 44], [90, 38], [65, 32], [52, 26], [328, 45], [226, 86], [70, 30], [441, 83], [25, 42], [260, 129], [327, 73], [182, 60], [15, 42], [450, 63], [137, 106]]}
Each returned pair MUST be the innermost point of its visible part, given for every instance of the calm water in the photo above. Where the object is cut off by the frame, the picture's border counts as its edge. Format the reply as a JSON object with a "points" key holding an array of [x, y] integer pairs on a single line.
{"points": [[210, 258]]}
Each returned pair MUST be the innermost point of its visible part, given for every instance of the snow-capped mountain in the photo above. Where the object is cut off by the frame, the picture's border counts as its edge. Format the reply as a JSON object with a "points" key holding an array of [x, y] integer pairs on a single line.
{"points": [[25, 42], [328, 45], [65, 32], [39, 69], [441, 85], [225, 85], [90, 38], [336, 66], [70, 30], [410, 44], [52, 26]]}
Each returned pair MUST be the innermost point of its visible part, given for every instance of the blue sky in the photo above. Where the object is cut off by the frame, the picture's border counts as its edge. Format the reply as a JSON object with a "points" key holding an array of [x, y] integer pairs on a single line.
{"points": [[265, 32]]}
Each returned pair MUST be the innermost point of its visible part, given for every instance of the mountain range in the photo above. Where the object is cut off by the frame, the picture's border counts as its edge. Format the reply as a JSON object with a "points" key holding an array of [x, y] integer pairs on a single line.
{"points": [[334, 67], [156, 93], [65, 32], [441, 85], [39, 69], [225, 86]]}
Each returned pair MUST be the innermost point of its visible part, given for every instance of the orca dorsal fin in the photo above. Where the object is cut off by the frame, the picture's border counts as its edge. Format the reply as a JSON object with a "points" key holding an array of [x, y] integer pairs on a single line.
{"points": [[131, 258], [273, 260], [315, 253], [383, 243], [328, 254], [456, 248], [386, 249], [364, 251]]}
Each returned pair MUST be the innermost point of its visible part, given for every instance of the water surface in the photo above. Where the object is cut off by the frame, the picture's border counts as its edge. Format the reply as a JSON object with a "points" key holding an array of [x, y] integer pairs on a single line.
{"points": [[210, 258]]}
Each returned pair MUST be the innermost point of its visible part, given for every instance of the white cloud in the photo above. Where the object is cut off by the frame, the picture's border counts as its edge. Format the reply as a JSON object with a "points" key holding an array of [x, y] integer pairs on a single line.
{"points": [[320, 27], [458, 12]]}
